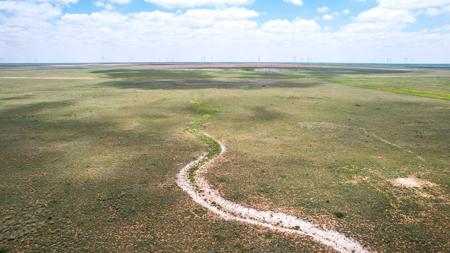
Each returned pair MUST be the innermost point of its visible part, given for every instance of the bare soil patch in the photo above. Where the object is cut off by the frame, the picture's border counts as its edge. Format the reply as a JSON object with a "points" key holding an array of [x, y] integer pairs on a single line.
{"points": [[411, 182]]}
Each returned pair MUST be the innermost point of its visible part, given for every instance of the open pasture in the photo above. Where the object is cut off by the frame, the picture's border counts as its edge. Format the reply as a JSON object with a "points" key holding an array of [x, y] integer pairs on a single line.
{"points": [[89, 155]]}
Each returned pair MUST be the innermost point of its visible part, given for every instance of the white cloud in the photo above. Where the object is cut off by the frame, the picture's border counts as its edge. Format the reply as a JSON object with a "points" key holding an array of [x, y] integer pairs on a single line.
{"points": [[294, 2], [395, 15], [323, 9], [411, 4], [432, 12], [196, 3], [209, 16], [56, 1], [120, 1], [39, 29], [327, 17], [379, 14], [380, 19], [104, 5], [391, 15], [295, 26], [346, 12], [110, 4], [29, 10]]}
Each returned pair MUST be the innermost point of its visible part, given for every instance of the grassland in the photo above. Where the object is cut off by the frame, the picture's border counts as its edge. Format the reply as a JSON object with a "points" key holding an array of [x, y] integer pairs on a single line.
{"points": [[89, 156], [432, 83]]}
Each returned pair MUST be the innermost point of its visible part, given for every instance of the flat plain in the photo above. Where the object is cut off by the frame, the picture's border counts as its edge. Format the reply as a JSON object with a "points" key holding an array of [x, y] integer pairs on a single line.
{"points": [[89, 155]]}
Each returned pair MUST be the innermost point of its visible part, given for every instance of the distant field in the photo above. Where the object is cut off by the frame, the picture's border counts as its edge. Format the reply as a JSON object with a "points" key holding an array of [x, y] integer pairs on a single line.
{"points": [[89, 155]]}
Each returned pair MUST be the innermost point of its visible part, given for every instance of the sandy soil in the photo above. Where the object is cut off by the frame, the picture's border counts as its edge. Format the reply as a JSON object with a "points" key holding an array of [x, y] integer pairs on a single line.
{"points": [[410, 182]]}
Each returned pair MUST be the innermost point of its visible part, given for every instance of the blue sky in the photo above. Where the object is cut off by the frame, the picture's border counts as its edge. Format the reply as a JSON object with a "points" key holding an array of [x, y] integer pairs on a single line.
{"points": [[269, 9], [225, 30]]}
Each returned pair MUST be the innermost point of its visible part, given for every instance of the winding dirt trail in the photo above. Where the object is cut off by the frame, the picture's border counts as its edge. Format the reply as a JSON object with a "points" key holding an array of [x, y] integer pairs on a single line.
{"points": [[192, 180]]}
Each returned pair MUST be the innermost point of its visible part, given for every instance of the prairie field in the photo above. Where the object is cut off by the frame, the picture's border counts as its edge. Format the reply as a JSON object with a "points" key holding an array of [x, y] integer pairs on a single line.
{"points": [[89, 155]]}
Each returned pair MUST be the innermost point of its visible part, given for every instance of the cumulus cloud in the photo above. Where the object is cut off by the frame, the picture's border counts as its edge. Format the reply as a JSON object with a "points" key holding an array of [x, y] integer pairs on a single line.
{"points": [[391, 15], [386, 15], [196, 3], [22, 13], [432, 12], [323, 9], [327, 17], [39, 29], [110, 4], [294, 2], [411, 4], [295, 26], [120, 1]]}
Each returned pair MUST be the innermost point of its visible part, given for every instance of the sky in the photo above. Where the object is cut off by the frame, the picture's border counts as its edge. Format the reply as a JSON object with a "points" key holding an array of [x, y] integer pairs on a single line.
{"points": [[354, 31]]}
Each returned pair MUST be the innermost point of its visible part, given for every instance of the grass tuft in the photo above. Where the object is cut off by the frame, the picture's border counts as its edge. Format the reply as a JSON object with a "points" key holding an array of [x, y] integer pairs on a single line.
{"points": [[339, 215]]}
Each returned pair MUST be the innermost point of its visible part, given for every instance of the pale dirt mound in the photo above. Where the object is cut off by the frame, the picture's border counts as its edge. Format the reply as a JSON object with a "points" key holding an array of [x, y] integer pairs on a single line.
{"points": [[410, 182]]}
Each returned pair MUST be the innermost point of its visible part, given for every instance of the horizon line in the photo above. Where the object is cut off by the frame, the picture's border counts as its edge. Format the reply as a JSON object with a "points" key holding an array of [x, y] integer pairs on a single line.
{"points": [[221, 62]]}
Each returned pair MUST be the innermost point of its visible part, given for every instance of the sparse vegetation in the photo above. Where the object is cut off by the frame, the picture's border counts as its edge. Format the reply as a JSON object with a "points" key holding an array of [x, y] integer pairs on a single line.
{"points": [[90, 163], [339, 215]]}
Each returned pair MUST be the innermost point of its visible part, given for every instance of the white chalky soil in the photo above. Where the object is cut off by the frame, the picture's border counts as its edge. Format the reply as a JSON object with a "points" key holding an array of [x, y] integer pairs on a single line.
{"points": [[202, 193], [410, 182]]}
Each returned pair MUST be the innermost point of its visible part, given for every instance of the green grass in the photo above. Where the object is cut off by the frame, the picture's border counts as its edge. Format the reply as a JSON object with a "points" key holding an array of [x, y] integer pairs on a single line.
{"points": [[416, 82], [406, 91], [204, 112], [89, 164], [339, 215]]}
